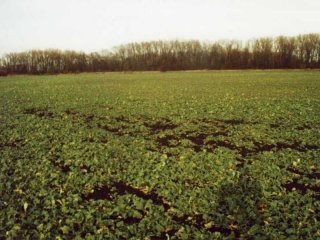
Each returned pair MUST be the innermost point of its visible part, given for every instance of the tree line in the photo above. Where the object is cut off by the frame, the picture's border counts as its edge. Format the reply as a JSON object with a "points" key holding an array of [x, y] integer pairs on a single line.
{"points": [[302, 51]]}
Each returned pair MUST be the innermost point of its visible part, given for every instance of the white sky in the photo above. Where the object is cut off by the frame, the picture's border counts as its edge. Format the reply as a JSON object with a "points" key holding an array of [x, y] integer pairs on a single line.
{"points": [[93, 25]]}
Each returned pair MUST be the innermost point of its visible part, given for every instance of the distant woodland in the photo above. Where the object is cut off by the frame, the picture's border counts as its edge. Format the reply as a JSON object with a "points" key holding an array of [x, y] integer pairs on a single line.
{"points": [[281, 52]]}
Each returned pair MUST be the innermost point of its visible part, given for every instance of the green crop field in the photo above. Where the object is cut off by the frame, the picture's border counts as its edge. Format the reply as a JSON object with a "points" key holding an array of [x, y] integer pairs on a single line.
{"points": [[176, 155]]}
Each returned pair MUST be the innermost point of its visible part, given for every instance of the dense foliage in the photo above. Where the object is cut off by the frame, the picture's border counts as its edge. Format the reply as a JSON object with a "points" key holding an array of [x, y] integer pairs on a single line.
{"points": [[201, 155], [302, 51]]}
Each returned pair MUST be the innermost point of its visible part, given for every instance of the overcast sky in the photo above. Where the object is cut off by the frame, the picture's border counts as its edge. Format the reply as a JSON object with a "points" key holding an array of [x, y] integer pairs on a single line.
{"points": [[93, 25]]}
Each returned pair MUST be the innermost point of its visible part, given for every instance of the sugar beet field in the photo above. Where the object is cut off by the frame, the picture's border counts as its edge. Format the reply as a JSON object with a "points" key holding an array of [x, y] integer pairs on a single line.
{"points": [[176, 155]]}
